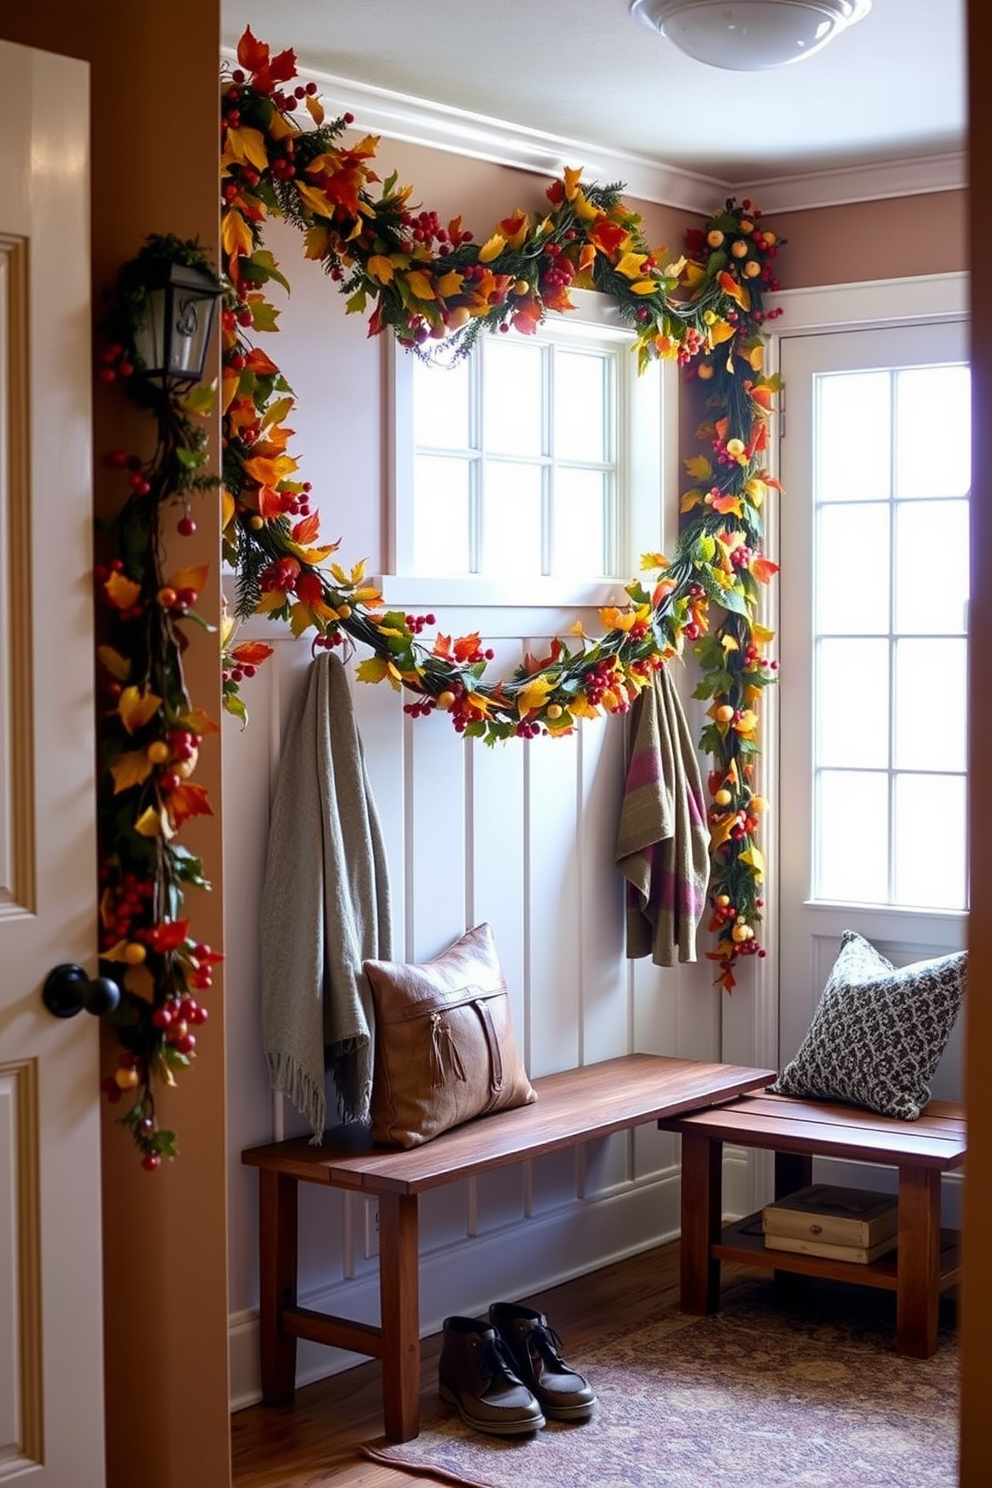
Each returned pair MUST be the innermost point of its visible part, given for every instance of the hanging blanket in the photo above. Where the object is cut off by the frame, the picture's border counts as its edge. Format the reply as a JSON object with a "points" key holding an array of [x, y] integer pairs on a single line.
{"points": [[325, 906], [662, 842]]}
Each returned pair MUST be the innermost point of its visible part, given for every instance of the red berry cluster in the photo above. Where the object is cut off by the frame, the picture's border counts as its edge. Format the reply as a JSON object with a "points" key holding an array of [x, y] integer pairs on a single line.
{"points": [[556, 270], [600, 679], [122, 904], [280, 575], [328, 639], [114, 363], [416, 623], [421, 709]]}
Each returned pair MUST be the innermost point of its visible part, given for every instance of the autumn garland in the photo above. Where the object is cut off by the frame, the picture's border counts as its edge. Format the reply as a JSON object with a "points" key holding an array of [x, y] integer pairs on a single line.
{"points": [[424, 283], [150, 732]]}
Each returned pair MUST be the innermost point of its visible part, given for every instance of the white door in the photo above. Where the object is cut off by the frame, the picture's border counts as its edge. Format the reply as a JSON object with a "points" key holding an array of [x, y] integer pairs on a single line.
{"points": [[874, 575], [51, 1331]]}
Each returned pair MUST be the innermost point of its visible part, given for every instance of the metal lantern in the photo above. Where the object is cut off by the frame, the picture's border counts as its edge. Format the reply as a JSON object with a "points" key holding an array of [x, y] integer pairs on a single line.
{"points": [[171, 341]]}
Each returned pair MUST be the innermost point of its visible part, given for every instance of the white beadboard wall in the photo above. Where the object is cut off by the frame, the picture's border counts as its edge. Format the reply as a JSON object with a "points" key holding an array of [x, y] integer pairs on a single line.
{"points": [[521, 835]]}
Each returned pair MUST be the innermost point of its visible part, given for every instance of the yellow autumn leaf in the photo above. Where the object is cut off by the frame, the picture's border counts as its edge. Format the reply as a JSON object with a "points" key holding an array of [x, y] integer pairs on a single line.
{"points": [[198, 721], [571, 178], [699, 467], [747, 723], [631, 265], [480, 703], [755, 356], [339, 574], [358, 571], [643, 286], [534, 694], [248, 144], [615, 619], [378, 669], [581, 707], [689, 500], [419, 284], [189, 578], [492, 249], [755, 490], [150, 823], [131, 768], [122, 592], [577, 629], [270, 471], [754, 858], [277, 411], [367, 595], [719, 331], [720, 830], [235, 234], [693, 274], [762, 635], [136, 707], [450, 283], [300, 619], [140, 983], [584, 209], [652, 561], [380, 268], [316, 110], [274, 600], [318, 242], [315, 199], [117, 665], [313, 556]]}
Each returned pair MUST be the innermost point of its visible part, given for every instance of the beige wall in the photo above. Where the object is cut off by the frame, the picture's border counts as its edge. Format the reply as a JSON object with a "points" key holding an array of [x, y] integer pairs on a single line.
{"points": [[154, 153], [893, 239]]}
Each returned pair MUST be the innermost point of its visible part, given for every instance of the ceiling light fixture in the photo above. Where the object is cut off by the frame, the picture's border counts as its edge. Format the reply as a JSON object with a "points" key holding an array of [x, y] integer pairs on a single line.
{"points": [[749, 35]]}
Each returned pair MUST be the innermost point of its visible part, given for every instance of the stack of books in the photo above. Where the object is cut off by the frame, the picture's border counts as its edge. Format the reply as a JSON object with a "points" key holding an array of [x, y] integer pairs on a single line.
{"points": [[844, 1224]]}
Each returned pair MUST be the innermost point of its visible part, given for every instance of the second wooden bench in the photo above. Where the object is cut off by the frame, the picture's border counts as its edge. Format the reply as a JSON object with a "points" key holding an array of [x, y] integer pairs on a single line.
{"points": [[926, 1260]]}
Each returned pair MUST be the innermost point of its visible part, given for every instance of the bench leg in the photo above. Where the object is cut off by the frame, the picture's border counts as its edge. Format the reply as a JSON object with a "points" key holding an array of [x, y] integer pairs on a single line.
{"points": [[793, 1171], [702, 1212], [399, 1301], [278, 1225], [918, 1288]]}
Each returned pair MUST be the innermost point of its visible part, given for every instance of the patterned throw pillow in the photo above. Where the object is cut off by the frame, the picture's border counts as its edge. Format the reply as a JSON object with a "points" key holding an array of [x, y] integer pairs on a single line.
{"points": [[879, 1030]]}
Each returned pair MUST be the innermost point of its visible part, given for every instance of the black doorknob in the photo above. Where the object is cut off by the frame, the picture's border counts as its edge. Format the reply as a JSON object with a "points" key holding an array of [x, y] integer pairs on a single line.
{"points": [[68, 990]]}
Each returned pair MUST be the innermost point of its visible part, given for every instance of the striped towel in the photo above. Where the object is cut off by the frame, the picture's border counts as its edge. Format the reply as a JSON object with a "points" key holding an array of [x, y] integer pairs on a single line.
{"points": [[662, 840]]}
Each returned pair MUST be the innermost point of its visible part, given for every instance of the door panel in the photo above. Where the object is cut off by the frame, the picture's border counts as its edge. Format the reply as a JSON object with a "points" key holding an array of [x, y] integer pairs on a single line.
{"points": [[51, 1348]]}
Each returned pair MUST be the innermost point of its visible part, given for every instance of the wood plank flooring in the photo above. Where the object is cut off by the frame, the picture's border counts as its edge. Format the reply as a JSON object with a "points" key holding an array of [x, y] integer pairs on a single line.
{"points": [[319, 1434]]}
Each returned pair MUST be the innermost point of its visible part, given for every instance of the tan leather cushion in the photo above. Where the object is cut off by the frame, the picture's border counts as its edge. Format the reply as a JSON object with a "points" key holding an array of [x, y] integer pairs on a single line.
{"points": [[445, 1050]]}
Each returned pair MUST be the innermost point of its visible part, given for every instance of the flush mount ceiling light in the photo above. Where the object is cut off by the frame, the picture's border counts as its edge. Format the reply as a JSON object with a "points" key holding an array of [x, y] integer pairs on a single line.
{"points": [[749, 35]]}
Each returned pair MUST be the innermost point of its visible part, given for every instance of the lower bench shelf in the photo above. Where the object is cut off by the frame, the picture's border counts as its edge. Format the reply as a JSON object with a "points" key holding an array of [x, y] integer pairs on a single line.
{"points": [[744, 1242]]}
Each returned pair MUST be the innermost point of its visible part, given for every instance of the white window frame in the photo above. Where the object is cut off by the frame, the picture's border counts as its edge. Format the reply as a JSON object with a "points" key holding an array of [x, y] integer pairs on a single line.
{"points": [[647, 453]]}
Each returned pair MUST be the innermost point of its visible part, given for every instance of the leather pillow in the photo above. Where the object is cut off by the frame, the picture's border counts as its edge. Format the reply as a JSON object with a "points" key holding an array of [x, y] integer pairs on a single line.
{"points": [[445, 1050]]}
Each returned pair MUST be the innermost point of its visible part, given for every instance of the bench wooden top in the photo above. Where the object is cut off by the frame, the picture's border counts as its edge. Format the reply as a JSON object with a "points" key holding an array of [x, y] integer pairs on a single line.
{"points": [[572, 1107], [785, 1123]]}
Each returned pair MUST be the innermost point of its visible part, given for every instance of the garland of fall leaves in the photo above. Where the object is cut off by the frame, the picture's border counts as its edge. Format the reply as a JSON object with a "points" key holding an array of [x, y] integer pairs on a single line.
{"points": [[423, 282]]}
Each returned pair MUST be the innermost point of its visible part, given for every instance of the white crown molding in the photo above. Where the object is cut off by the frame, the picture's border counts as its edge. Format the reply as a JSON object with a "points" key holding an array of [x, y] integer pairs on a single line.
{"points": [[834, 188], [419, 121]]}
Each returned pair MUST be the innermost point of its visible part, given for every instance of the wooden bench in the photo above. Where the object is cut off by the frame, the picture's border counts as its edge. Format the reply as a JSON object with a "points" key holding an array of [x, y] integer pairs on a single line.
{"points": [[926, 1260], [572, 1108]]}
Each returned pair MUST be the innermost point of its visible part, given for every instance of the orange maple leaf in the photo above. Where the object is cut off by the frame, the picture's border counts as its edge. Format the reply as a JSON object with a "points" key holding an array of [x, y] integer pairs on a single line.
{"points": [[188, 800]]}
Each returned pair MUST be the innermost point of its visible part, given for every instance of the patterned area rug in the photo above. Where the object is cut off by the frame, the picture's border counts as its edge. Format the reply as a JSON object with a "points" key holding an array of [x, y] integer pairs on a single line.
{"points": [[775, 1391]]}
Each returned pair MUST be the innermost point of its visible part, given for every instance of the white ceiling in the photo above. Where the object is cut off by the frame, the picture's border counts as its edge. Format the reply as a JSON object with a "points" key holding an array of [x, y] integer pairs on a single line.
{"points": [[891, 89]]}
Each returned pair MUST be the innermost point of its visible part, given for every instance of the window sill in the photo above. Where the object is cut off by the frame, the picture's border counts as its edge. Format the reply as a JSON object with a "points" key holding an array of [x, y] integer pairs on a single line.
{"points": [[481, 593]]}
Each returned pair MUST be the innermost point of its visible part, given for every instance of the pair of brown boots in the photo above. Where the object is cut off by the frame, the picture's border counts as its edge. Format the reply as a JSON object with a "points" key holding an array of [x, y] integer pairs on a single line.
{"points": [[505, 1376]]}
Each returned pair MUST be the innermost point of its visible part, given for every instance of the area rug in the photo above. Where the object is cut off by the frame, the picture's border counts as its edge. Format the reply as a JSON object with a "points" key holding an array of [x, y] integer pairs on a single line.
{"points": [[804, 1391]]}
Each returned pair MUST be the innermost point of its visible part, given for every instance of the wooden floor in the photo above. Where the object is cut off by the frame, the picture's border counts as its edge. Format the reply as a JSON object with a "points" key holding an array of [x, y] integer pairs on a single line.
{"points": [[287, 1448]]}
